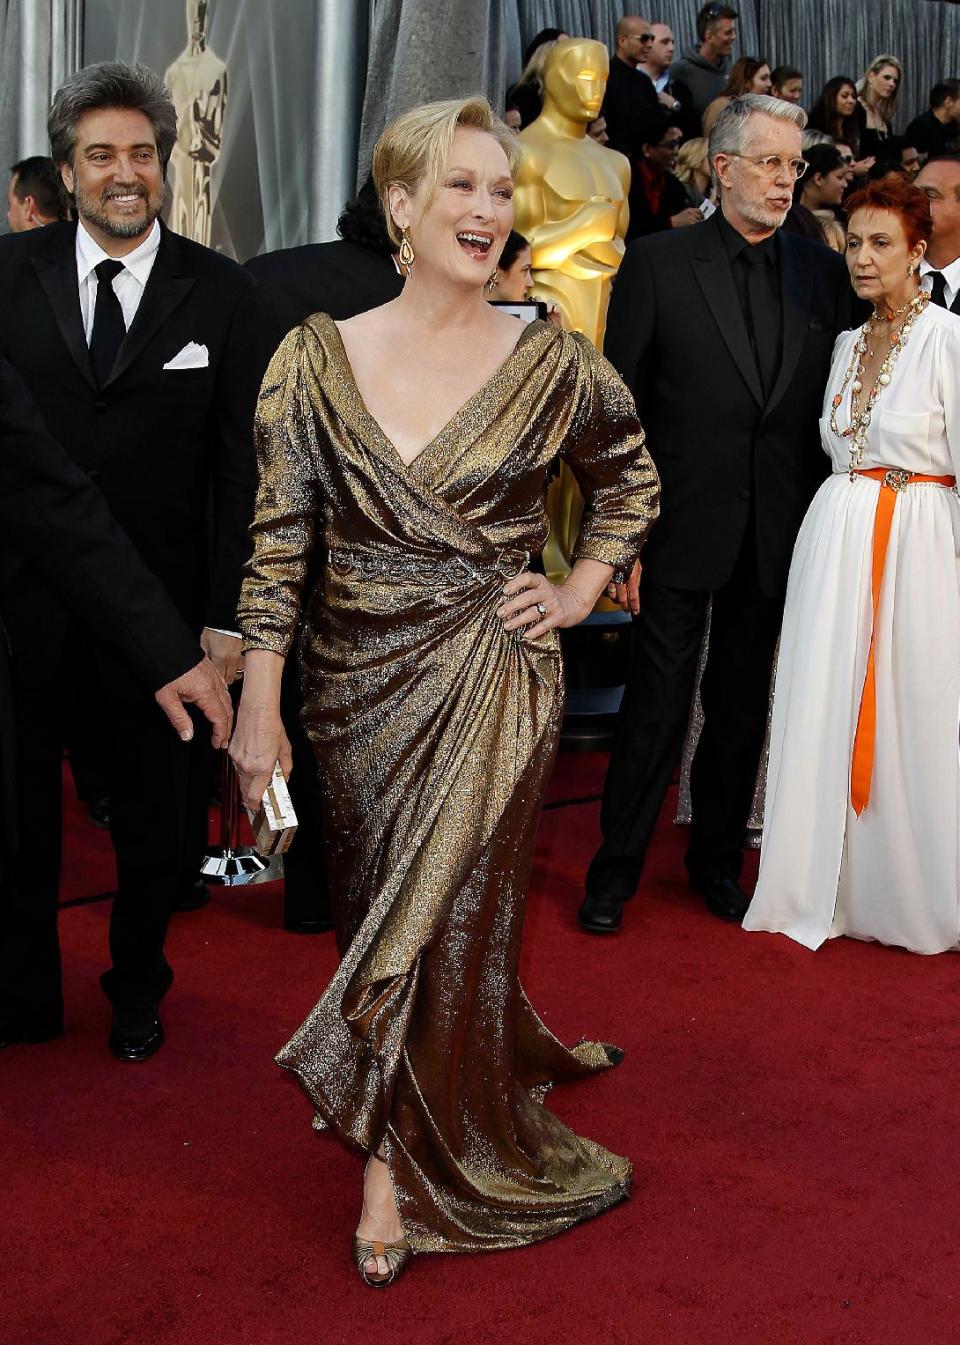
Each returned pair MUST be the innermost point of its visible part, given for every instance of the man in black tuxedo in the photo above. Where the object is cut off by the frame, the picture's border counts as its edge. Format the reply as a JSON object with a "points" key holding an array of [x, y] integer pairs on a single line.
{"points": [[144, 354], [55, 516], [342, 278], [724, 332]]}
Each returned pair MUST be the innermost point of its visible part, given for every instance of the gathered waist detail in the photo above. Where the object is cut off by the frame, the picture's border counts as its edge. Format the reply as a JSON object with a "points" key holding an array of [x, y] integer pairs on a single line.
{"points": [[445, 568], [892, 481]]}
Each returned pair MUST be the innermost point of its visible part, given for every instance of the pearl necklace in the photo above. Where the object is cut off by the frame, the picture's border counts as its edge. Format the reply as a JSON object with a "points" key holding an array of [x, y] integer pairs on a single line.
{"points": [[856, 431]]}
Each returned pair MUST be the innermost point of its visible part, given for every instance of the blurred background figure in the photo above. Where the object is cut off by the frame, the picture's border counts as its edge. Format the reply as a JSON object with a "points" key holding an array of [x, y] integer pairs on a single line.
{"points": [[750, 74], [701, 73], [658, 199], [693, 170], [656, 65], [823, 184], [786, 82], [514, 274], [835, 113], [34, 197], [939, 180], [876, 102], [937, 130], [524, 100], [629, 93], [597, 130]]}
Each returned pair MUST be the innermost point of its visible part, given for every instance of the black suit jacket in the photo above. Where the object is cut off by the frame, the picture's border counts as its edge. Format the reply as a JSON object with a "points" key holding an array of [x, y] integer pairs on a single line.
{"points": [[58, 520], [629, 95], [341, 278], [676, 334], [172, 451]]}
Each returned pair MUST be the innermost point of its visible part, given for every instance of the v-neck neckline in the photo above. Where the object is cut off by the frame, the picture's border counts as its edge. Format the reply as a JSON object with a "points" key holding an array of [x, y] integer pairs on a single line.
{"points": [[458, 414]]}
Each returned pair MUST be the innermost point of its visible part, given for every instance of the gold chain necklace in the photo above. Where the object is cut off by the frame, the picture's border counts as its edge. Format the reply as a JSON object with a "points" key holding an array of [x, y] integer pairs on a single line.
{"points": [[856, 431]]}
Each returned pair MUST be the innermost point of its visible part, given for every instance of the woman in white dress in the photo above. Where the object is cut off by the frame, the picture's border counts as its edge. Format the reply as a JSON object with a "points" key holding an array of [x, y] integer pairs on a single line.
{"points": [[863, 785]]}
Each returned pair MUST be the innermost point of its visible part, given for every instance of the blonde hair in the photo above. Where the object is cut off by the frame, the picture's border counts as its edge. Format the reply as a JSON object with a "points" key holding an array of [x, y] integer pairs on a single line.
{"points": [[835, 235], [884, 106], [533, 70], [415, 146], [693, 157]]}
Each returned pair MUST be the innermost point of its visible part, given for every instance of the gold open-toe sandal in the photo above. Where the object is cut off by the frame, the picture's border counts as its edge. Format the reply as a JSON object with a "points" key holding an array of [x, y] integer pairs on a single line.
{"points": [[397, 1255]]}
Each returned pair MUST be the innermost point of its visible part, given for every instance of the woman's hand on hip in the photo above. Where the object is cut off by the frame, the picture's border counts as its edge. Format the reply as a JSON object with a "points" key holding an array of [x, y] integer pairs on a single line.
{"points": [[534, 605]]}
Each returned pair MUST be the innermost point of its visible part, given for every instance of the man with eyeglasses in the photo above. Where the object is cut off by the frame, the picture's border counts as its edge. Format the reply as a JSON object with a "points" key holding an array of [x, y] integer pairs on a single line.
{"points": [[630, 92], [724, 333], [701, 73]]}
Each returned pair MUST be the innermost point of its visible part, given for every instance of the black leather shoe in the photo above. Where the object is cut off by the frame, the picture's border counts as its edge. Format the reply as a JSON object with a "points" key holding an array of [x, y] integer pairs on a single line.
{"points": [[193, 896], [600, 915], [308, 926], [135, 1034], [22, 1032], [725, 898]]}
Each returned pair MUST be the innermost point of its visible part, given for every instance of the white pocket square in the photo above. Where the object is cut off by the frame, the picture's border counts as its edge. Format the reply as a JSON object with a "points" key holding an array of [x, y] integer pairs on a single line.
{"points": [[191, 356]]}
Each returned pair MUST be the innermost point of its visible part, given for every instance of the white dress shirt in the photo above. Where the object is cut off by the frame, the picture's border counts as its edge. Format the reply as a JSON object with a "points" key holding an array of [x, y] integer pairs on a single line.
{"points": [[951, 277], [128, 285]]}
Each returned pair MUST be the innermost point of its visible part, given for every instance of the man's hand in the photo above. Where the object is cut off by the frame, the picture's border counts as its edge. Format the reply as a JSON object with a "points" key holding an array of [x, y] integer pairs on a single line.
{"points": [[628, 594], [203, 687], [225, 652]]}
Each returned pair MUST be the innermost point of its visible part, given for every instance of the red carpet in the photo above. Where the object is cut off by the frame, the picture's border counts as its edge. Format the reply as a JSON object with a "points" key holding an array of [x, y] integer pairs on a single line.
{"points": [[792, 1118]]}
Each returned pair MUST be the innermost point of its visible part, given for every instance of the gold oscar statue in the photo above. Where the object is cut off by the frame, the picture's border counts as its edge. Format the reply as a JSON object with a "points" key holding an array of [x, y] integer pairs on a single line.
{"points": [[197, 81], [571, 206]]}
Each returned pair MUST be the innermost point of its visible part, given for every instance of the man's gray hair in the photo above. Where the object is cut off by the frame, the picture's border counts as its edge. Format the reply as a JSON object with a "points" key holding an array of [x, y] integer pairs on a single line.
{"points": [[110, 84], [731, 130]]}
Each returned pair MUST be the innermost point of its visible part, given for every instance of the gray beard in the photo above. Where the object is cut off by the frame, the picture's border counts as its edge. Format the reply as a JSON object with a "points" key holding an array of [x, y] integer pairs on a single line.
{"points": [[766, 219], [95, 212]]}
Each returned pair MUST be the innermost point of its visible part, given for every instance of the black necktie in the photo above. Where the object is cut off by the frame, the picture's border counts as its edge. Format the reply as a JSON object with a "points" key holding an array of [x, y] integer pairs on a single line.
{"points": [[764, 335], [108, 325], [938, 295]]}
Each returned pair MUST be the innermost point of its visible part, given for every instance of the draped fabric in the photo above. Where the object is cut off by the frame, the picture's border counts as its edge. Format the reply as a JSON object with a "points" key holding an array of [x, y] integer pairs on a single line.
{"points": [[420, 52], [281, 111], [40, 43], [435, 729]]}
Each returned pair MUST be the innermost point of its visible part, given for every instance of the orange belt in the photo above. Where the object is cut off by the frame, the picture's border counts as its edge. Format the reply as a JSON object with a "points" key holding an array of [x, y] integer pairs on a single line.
{"points": [[892, 480]]}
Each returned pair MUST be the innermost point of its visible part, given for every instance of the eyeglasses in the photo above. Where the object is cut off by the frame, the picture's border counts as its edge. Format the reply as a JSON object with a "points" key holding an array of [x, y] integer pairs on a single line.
{"points": [[771, 165], [846, 158], [640, 37]]}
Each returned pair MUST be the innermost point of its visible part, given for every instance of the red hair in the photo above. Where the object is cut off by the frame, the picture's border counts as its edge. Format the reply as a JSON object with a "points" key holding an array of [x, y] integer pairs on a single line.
{"points": [[896, 194]]}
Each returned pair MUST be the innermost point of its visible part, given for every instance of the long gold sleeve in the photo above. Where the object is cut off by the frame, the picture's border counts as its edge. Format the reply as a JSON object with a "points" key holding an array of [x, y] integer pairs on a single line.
{"points": [[604, 447], [288, 497]]}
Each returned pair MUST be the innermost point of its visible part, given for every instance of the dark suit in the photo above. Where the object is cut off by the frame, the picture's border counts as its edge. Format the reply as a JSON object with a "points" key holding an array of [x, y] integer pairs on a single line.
{"points": [[738, 470], [342, 279], [172, 453], [628, 98]]}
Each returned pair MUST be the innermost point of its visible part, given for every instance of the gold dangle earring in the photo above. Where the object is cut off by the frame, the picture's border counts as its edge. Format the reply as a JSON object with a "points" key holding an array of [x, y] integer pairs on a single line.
{"points": [[494, 280], [407, 256]]}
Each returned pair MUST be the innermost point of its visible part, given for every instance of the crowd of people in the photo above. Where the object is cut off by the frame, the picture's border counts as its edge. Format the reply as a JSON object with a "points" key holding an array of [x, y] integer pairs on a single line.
{"points": [[769, 441], [660, 107]]}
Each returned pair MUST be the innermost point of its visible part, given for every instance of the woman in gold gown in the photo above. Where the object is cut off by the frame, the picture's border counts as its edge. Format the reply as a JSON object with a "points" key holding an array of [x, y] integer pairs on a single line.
{"points": [[412, 443]]}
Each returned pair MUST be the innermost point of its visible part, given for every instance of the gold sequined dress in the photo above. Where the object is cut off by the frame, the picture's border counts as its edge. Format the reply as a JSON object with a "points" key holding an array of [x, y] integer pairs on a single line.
{"points": [[434, 731]]}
